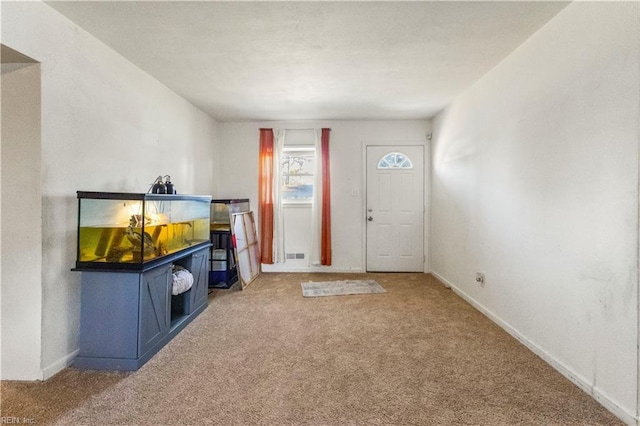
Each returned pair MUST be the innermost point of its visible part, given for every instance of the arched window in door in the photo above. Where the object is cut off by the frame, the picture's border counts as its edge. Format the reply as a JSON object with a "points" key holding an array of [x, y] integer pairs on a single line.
{"points": [[395, 160]]}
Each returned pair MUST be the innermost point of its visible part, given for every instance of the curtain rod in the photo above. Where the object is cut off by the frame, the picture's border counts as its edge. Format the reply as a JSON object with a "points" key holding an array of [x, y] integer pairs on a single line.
{"points": [[270, 128]]}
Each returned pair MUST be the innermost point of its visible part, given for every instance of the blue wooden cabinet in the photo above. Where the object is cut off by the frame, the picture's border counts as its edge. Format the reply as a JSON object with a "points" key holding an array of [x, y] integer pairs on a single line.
{"points": [[126, 317]]}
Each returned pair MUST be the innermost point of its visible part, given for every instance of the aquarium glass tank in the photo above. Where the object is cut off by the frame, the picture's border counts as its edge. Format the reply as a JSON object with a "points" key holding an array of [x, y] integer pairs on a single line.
{"points": [[222, 210], [127, 231]]}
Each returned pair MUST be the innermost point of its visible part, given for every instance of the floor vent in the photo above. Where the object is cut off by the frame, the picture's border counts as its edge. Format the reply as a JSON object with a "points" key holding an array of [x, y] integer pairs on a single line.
{"points": [[295, 256]]}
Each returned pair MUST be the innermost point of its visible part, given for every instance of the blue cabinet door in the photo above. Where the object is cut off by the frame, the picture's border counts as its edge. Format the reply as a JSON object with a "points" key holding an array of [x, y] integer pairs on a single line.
{"points": [[199, 269], [109, 315], [155, 308]]}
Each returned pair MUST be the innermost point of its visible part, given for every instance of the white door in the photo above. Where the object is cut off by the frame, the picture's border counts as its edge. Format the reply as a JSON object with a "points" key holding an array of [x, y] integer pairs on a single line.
{"points": [[395, 208]]}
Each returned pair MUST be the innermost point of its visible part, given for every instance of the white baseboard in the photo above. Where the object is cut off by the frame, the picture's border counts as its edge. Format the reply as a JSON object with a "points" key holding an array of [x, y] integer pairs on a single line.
{"points": [[310, 269], [575, 378], [59, 365]]}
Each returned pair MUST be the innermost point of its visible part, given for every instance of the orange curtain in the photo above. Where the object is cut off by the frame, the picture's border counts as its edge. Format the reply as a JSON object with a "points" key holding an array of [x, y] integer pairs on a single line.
{"points": [[265, 195], [325, 233]]}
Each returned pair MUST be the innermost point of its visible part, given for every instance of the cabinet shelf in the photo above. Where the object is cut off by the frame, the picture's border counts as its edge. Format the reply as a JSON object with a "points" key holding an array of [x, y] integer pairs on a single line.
{"points": [[223, 270]]}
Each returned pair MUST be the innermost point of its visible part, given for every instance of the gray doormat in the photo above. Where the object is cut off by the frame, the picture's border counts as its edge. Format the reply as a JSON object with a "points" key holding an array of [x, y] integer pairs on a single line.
{"points": [[339, 288]]}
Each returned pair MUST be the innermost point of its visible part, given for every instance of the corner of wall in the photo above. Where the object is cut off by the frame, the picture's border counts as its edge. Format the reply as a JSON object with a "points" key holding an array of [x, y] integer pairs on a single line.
{"points": [[59, 365]]}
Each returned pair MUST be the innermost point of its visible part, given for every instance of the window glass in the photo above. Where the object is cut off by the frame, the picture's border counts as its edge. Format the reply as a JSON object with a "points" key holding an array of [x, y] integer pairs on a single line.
{"points": [[395, 160], [298, 165]]}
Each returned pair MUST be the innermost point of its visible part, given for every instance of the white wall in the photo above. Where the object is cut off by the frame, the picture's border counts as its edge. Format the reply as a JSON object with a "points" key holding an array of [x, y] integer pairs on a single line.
{"points": [[106, 126], [238, 176], [297, 221], [535, 183], [21, 226]]}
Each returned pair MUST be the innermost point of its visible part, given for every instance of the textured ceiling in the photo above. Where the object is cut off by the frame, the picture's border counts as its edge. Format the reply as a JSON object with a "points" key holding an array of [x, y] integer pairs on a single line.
{"points": [[313, 60]]}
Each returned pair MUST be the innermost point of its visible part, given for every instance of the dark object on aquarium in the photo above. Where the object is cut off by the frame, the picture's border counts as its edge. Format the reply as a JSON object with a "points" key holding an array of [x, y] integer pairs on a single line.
{"points": [[158, 186], [169, 187]]}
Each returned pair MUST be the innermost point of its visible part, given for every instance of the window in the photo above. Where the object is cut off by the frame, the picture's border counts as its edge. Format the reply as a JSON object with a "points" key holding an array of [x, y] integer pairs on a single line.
{"points": [[294, 169], [297, 173], [395, 160]]}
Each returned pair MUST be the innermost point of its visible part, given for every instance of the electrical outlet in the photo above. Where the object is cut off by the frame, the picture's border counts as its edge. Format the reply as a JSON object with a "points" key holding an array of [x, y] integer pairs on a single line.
{"points": [[480, 278]]}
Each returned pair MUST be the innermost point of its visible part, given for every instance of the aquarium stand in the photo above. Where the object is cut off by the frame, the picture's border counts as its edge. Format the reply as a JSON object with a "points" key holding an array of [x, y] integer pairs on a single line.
{"points": [[128, 246], [126, 317], [223, 272]]}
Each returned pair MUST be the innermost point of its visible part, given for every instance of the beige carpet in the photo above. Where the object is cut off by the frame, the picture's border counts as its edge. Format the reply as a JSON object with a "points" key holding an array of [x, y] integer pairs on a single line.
{"points": [[416, 355]]}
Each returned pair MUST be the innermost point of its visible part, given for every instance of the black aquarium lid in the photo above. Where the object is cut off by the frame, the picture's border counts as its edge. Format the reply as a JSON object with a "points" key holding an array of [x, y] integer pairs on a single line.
{"points": [[230, 201], [139, 196]]}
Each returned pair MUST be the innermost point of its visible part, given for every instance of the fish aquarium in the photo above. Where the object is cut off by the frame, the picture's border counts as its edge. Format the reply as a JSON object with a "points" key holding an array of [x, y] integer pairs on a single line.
{"points": [[131, 231], [222, 211]]}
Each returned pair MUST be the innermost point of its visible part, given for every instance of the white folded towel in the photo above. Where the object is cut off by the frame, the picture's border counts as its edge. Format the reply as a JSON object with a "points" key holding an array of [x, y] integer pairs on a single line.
{"points": [[182, 281]]}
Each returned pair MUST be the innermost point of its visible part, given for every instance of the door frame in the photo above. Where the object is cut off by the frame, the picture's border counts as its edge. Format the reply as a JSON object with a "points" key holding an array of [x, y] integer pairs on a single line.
{"points": [[426, 196]]}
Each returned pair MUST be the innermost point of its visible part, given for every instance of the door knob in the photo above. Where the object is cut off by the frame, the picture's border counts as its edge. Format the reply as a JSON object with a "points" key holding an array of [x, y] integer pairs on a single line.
{"points": [[369, 218]]}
